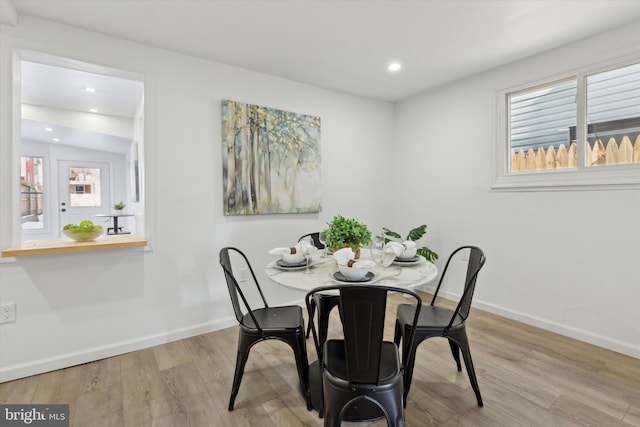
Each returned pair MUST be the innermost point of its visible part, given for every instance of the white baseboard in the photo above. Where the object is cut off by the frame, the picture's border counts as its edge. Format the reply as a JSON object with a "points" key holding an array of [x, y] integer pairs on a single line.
{"points": [[22, 370], [568, 331]]}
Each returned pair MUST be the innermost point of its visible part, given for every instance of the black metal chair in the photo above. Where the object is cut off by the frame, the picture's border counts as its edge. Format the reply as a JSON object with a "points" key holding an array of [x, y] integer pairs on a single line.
{"points": [[362, 368], [285, 323], [437, 321], [315, 237], [324, 303]]}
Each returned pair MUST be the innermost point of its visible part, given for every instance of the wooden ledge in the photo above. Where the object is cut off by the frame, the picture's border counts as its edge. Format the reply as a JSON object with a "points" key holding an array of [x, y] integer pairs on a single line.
{"points": [[64, 246]]}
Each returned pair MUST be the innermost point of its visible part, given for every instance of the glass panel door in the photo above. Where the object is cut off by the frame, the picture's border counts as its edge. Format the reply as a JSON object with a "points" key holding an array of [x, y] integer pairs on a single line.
{"points": [[84, 191]]}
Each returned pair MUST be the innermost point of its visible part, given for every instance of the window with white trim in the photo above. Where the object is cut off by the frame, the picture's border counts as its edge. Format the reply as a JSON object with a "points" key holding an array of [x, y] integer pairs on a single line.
{"points": [[32, 211], [580, 130]]}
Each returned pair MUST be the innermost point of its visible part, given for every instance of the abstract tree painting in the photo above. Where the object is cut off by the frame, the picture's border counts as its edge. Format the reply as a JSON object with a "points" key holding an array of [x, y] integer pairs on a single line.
{"points": [[270, 160]]}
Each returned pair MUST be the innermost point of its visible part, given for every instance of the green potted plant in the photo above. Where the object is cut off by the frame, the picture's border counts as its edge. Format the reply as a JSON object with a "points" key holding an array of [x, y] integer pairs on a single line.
{"points": [[414, 235], [342, 232], [119, 206]]}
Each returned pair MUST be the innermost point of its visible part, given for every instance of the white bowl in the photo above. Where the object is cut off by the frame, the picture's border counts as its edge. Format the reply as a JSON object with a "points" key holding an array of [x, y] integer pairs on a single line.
{"points": [[407, 254], [296, 258], [351, 273]]}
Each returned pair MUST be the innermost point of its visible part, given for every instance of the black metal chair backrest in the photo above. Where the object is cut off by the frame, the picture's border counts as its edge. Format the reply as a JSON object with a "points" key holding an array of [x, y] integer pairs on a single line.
{"points": [[474, 265], [315, 237], [362, 310], [234, 288]]}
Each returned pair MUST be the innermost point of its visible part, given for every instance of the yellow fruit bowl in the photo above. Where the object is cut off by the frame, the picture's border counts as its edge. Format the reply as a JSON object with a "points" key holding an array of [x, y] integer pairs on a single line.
{"points": [[85, 235]]}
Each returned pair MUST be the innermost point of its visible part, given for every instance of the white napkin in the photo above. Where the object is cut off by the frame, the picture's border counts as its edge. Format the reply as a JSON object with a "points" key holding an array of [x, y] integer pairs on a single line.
{"points": [[305, 247], [344, 255], [364, 264], [301, 248], [390, 251], [280, 251]]}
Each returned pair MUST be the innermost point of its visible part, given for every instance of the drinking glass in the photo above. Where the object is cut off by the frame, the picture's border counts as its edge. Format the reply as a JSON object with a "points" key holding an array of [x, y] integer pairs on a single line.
{"points": [[322, 237], [309, 249], [377, 248]]}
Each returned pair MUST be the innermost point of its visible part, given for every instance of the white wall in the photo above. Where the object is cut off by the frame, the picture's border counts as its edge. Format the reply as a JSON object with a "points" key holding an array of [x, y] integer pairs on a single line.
{"points": [[80, 307], [567, 261]]}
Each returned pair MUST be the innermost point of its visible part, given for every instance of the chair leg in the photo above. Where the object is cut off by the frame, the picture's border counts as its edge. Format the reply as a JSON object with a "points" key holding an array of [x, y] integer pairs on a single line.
{"points": [[463, 342], [392, 404], [455, 350], [324, 305], [397, 338], [397, 334], [311, 315], [331, 419], [302, 363], [244, 346], [331, 408], [409, 364], [466, 354]]}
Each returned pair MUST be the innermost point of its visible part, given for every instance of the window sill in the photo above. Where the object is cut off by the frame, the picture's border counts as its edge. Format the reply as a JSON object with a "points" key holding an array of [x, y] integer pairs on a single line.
{"points": [[64, 246], [618, 177]]}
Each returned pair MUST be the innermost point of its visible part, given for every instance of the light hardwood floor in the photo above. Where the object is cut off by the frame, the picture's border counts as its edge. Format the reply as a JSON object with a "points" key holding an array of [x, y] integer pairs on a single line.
{"points": [[527, 376]]}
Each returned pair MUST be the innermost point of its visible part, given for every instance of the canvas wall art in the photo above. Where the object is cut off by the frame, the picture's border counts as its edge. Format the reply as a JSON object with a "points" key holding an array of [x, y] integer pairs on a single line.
{"points": [[270, 160]]}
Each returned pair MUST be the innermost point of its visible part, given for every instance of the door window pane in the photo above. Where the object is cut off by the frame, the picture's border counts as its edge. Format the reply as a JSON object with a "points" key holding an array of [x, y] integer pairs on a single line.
{"points": [[84, 187], [613, 115], [31, 192]]}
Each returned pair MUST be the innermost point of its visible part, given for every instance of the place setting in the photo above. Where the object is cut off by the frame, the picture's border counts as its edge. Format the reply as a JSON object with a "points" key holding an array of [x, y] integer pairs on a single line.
{"points": [[383, 255], [352, 270], [297, 257], [387, 253], [408, 257]]}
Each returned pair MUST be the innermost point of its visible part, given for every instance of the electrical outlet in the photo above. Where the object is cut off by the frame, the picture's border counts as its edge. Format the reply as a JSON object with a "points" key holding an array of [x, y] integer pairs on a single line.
{"points": [[243, 274], [8, 312]]}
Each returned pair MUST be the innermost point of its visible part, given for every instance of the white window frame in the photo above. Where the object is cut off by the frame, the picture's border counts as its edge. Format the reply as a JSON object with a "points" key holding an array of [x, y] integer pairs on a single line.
{"points": [[623, 176]]}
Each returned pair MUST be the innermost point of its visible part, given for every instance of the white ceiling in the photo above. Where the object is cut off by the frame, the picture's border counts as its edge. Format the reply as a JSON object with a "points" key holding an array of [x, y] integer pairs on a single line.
{"points": [[45, 85], [62, 114], [346, 45], [339, 45]]}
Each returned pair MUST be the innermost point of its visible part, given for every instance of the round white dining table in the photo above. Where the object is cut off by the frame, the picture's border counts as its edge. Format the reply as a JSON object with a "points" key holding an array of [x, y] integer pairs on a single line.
{"points": [[321, 273]]}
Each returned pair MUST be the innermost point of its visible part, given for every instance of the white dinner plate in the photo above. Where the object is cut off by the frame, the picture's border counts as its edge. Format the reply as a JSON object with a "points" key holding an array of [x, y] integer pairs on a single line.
{"points": [[340, 278], [281, 265], [413, 261]]}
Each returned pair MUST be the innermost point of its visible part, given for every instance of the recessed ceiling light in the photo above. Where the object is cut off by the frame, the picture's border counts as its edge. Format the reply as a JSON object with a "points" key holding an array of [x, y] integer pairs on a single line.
{"points": [[394, 66], [93, 110], [56, 139], [89, 89], [48, 129]]}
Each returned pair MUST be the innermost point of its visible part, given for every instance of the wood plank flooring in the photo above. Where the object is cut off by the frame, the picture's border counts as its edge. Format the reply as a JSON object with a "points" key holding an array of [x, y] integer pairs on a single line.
{"points": [[527, 376]]}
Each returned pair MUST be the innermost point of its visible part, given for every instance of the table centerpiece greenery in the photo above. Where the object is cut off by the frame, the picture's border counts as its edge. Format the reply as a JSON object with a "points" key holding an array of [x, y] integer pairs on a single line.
{"points": [[414, 235], [342, 232]]}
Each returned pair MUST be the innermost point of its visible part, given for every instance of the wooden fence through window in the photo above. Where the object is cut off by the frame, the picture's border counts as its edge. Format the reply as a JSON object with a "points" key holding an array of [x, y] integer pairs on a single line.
{"points": [[611, 154]]}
